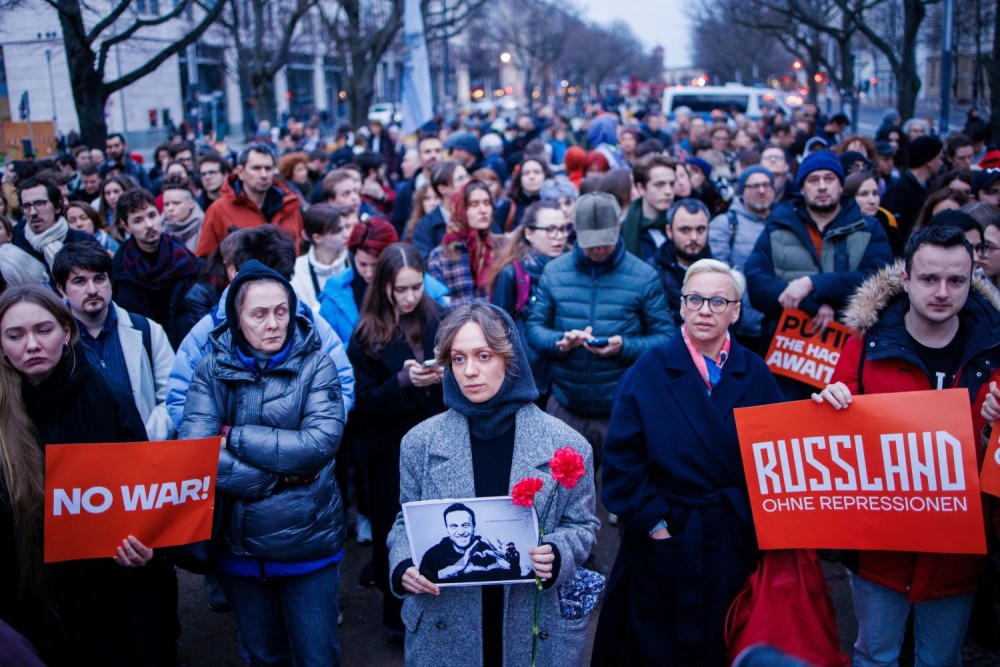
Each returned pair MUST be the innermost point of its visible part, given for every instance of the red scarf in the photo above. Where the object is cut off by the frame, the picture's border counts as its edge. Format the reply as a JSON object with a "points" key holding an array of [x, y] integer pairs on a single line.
{"points": [[480, 247], [699, 359]]}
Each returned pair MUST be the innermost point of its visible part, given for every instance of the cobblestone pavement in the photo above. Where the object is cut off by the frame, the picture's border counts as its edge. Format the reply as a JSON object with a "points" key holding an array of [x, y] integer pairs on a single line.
{"points": [[209, 639]]}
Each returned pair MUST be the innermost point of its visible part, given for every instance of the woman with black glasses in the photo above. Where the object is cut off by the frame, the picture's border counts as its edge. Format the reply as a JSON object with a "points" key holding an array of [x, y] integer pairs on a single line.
{"points": [[674, 476], [543, 235]]}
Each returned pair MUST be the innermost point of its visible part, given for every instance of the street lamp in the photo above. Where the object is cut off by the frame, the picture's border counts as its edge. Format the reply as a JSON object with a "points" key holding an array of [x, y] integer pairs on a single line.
{"points": [[505, 57]]}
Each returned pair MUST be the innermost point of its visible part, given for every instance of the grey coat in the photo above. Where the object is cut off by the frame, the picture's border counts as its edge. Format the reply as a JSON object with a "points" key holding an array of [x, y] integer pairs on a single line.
{"points": [[436, 463], [286, 421]]}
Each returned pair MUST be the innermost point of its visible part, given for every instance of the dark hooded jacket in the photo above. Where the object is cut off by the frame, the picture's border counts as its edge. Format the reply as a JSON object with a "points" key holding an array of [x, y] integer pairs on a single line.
{"points": [[280, 500], [891, 364]]}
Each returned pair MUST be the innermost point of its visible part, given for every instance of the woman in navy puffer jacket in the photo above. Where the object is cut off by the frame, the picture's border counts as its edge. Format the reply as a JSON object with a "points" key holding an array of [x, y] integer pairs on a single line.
{"points": [[268, 388]]}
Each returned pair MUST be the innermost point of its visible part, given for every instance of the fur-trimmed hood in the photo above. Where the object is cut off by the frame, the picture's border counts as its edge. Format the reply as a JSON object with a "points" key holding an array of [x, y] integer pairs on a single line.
{"points": [[874, 295]]}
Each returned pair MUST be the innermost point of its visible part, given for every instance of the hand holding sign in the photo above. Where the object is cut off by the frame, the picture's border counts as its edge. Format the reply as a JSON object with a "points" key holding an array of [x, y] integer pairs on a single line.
{"points": [[157, 494], [991, 405], [807, 349], [837, 394], [895, 472]]}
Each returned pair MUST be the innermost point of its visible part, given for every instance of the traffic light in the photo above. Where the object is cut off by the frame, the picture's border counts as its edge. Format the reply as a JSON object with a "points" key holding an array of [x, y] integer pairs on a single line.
{"points": [[152, 117], [25, 106]]}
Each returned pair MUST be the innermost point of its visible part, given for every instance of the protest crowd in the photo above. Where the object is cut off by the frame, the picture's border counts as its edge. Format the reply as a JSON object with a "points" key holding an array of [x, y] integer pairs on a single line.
{"points": [[565, 310]]}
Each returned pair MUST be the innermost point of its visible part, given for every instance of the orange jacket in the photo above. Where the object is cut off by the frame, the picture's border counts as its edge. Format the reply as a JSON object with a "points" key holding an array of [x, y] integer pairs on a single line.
{"points": [[235, 209]]}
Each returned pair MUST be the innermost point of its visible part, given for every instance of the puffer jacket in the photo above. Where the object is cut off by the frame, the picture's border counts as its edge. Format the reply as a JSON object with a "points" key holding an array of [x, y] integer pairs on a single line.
{"points": [[732, 236], [287, 421], [854, 247], [892, 365], [620, 296]]}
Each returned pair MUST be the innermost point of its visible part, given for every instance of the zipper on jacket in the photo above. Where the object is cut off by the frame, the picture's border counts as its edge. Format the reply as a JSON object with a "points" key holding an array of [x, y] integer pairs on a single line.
{"points": [[263, 573]]}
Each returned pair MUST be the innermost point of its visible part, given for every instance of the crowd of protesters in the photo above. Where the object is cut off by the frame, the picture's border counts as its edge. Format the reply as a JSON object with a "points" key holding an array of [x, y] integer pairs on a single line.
{"points": [[368, 319]]}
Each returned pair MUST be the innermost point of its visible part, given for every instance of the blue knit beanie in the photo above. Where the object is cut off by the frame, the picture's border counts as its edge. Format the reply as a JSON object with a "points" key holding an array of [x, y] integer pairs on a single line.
{"points": [[817, 161], [741, 184]]}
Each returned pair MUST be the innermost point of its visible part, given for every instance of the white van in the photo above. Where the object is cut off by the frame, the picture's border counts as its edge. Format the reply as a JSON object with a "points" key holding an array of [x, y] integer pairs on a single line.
{"points": [[703, 99]]}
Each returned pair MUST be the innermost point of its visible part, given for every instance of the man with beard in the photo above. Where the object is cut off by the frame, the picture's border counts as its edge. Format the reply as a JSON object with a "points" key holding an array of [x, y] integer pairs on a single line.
{"points": [[44, 230], [643, 229], [731, 237], [462, 556], [687, 242], [813, 253], [126, 348], [118, 158]]}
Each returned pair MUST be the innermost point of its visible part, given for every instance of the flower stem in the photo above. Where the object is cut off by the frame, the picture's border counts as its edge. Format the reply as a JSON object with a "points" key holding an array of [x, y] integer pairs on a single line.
{"points": [[538, 586]]}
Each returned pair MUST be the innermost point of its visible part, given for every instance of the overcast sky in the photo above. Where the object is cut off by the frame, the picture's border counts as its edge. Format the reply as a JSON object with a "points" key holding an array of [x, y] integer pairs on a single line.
{"points": [[662, 22]]}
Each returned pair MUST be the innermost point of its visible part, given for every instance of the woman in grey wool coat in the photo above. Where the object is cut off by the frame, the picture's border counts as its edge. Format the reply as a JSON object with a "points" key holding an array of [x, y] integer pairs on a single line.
{"points": [[492, 437]]}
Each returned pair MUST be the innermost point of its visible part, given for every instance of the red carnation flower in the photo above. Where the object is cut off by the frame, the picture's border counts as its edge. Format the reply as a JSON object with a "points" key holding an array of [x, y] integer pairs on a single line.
{"points": [[567, 467], [525, 490]]}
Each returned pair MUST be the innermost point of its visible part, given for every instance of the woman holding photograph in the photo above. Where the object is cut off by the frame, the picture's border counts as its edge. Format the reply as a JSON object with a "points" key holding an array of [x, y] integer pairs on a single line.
{"points": [[492, 437]]}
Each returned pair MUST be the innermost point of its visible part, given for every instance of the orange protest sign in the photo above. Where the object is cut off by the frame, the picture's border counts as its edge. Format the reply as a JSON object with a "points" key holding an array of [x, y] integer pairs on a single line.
{"points": [[989, 476], [798, 354], [893, 472], [98, 494]]}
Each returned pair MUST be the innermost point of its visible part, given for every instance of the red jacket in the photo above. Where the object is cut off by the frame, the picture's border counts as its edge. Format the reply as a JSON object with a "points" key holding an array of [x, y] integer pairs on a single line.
{"points": [[876, 313], [235, 209]]}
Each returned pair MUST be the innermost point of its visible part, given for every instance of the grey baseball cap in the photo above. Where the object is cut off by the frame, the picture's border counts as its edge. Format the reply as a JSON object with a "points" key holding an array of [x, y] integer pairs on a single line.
{"points": [[596, 219]]}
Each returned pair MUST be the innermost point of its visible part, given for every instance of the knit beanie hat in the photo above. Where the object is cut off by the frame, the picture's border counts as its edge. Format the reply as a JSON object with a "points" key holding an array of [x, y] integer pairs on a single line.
{"points": [[741, 184], [465, 141], [922, 150], [818, 161]]}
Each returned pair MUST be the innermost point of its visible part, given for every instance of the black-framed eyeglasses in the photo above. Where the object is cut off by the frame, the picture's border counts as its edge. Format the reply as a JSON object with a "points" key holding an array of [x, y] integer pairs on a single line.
{"points": [[766, 185], [985, 249], [716, 304], [37, 205], [554, 231]]}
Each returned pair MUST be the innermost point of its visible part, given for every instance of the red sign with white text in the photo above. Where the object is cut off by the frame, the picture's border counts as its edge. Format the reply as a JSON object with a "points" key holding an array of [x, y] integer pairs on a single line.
{"points": [[893, 472], [799, 354], [989, 476], [96, 495]]}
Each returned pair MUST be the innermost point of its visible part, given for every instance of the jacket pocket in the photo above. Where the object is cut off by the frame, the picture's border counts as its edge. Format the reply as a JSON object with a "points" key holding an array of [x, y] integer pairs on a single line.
{"points": [[411, 614]]}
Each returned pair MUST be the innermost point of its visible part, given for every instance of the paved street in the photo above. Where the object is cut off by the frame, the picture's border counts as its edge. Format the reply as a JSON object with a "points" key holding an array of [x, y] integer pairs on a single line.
{"points": [[209, 639]]}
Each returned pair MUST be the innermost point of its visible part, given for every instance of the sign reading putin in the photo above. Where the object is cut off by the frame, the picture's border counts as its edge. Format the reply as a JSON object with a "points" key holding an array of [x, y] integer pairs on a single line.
{"points": [[96, 495], [891, 472]]}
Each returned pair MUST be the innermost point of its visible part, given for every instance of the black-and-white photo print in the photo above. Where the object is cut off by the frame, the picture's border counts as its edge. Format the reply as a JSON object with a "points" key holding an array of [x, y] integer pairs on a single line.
{"points": [[472, 541]]}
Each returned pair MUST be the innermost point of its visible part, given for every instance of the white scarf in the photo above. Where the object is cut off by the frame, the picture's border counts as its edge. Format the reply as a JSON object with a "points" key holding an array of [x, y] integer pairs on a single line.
{"points": [[49, 242]]}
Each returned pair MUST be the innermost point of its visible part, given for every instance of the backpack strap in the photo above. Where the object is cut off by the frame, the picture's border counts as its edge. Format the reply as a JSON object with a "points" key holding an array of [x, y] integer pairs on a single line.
{"points": [[142, 324], [523, 282], [734, 223]]}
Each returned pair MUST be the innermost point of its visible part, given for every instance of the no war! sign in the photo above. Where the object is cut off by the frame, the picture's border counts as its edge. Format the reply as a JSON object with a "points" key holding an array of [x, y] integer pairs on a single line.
{"points": [[96, 495]]}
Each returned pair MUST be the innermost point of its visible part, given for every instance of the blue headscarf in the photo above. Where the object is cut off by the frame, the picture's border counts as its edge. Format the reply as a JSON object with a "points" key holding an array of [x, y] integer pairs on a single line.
{"points": [[491, 418]]}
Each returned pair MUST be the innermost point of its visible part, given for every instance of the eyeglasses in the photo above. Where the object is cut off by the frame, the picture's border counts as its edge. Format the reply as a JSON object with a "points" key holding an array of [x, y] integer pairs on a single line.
{"points": [[716, 304], [554, 231], [772, 158], [766, 185], [37, 205], [984, 250]]}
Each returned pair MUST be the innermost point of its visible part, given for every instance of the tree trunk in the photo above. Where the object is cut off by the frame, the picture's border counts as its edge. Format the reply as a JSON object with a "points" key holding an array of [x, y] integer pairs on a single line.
{"points": [[360, 87], [906, 77], [263, 93], [89, 92], [994, 75]]}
